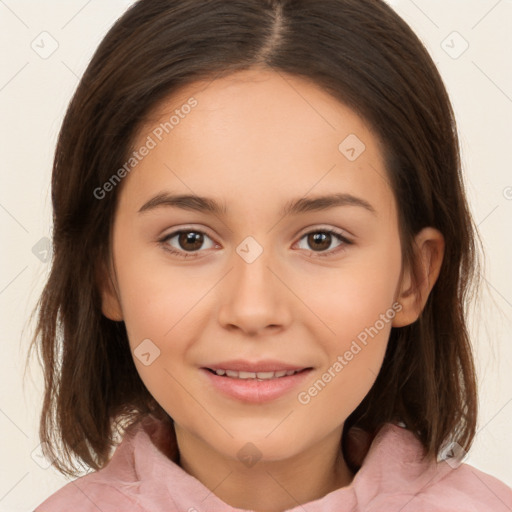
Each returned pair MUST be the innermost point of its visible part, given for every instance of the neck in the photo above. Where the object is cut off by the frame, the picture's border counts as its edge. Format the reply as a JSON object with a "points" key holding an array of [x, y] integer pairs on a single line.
{"points": [[267, 486]]}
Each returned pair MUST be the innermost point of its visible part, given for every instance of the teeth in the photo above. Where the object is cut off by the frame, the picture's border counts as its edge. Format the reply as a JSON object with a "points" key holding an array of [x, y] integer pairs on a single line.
{"points": [[252, 375]]}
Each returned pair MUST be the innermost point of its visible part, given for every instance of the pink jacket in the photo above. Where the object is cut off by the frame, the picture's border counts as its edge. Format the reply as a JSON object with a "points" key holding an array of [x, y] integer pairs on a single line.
{"points": [[393, 478]]}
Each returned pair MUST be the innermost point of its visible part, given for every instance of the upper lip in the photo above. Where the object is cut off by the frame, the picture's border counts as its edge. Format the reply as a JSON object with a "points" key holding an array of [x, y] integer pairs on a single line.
{"points": [[265, 365]]}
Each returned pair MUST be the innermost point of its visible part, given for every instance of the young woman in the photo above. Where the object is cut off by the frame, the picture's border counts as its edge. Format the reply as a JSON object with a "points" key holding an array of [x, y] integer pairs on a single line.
{"points": [[263, 254]]}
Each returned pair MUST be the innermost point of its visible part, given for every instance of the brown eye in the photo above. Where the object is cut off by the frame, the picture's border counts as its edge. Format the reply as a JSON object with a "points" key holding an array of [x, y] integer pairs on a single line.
{"points": [[320, 240], [188, 242]]}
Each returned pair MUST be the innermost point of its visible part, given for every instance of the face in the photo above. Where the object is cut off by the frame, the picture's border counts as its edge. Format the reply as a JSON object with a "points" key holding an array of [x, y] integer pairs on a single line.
{"points": [[312, 286]]}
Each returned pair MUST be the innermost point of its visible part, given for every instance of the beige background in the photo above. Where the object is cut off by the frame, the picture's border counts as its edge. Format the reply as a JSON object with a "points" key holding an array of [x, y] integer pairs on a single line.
{"points": [[35, 88]]}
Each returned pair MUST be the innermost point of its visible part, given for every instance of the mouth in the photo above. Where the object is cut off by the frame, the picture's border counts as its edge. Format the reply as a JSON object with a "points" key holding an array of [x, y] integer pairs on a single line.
{"points": [[259, 376], [255, 387]]}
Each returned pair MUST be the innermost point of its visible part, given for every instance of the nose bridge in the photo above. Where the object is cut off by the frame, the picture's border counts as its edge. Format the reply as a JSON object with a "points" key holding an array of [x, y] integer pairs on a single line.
{"points": [[254, 297], [251, 268]]}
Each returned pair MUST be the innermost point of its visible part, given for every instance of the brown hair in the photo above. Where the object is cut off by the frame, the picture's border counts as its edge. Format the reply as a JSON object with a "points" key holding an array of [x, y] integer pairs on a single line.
{"points": [[368, 58]]}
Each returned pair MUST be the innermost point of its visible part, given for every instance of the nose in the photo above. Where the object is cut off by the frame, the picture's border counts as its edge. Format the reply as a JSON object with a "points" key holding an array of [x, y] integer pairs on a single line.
{"points": [[253, 297]]}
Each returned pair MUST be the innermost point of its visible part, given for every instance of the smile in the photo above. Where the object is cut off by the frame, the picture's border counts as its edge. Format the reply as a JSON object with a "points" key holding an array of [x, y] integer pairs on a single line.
{"points": [[255, 387], [254, 375]]}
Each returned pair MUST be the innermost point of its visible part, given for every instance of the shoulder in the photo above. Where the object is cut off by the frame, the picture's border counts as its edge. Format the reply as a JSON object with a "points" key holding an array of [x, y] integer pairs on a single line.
{"points": [[129, 481], [468, 488], [395, 474], [89, 494], [106, 489]]}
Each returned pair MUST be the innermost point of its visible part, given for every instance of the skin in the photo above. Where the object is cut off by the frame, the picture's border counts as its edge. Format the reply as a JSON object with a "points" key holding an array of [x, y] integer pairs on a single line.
{"points": [[256, 140]]}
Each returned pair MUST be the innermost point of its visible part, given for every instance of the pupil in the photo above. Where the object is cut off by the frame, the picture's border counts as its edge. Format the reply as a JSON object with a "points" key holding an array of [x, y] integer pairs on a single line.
{"points": [[320, 237], [196, 239]]}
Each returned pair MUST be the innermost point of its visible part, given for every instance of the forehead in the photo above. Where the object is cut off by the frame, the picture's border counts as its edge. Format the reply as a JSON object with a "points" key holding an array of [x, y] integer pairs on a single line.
{"points": [[261, 134]]}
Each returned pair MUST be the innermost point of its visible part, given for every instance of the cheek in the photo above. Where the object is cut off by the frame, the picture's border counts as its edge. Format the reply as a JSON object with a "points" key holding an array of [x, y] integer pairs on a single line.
{"points": [[359, 318], [354, 296], [150, 310], [166, 306], [342, 385], [155, 296], [159, 316], [356, 304]]}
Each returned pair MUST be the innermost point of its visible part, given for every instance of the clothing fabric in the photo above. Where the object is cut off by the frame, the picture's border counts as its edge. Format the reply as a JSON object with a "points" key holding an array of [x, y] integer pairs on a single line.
{"points": [[142, 477]]}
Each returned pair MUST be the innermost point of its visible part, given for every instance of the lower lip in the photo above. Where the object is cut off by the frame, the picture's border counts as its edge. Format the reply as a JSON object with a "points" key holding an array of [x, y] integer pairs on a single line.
{"points": [[256, 391]]}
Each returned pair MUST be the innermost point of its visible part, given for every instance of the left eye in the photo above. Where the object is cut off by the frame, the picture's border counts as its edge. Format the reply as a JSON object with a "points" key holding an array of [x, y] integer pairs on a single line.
{"points": [[322, 238], [190, 241]]}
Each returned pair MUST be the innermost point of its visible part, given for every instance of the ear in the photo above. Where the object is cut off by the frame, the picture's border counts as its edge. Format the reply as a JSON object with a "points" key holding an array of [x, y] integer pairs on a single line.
{"points": [[107, 285], [429, 252]]}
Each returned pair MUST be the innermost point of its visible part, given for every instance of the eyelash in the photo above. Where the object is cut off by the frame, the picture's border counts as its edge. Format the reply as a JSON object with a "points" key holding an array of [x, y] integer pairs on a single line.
{"points": [[183, 254]]}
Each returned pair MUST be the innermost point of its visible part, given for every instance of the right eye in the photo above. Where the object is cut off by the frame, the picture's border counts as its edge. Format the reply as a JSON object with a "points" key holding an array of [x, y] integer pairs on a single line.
{"points": [[187, 243]]}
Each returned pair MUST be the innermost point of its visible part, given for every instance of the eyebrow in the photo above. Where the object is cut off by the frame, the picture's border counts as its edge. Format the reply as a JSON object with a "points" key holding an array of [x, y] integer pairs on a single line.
{"points": [[292, 207]]}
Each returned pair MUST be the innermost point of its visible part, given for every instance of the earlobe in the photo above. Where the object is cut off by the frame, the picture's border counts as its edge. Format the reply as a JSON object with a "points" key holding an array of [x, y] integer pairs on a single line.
{"points": [[429, 251], [110, 303]]}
